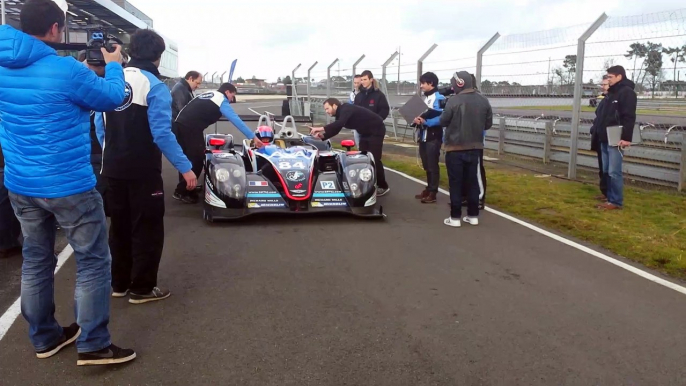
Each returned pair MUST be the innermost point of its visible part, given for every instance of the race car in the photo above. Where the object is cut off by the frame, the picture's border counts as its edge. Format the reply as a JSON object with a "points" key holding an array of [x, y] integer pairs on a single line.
{"points": [[292, 174]]}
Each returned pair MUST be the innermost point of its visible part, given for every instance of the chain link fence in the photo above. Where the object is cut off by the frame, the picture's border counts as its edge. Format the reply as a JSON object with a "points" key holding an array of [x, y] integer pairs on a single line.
{"points": [[544, 87]]}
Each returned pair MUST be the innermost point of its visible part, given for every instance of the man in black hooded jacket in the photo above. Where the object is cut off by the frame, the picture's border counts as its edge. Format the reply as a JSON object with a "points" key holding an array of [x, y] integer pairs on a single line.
{"points": [[371, 97], [619, 109], [595, 139]]}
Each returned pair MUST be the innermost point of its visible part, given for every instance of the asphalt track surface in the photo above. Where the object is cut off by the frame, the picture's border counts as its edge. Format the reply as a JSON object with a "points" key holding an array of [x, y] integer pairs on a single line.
{"points": [[402, 301]]}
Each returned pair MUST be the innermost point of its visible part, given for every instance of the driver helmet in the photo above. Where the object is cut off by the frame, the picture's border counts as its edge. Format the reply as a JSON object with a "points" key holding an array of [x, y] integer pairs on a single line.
{"points": [[265, 134]]}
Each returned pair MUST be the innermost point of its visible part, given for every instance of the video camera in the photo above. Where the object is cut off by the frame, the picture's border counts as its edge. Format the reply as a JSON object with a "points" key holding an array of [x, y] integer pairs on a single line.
{"points": [[447, 92], [97, 39]]}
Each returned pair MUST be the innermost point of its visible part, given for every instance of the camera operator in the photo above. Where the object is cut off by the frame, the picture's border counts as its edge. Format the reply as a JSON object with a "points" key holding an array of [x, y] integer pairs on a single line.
{"points": [[465, 117], [49, 177], [203, 111], [370, 126], [136, 134]]}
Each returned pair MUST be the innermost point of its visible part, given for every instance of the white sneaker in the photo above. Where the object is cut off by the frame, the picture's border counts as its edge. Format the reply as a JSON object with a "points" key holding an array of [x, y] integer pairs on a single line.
{"points": [[451, 222], [471, 220]]}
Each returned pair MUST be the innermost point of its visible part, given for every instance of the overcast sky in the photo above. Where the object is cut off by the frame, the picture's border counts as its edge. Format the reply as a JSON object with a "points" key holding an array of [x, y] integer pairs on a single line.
{"points": [[270, 37]]}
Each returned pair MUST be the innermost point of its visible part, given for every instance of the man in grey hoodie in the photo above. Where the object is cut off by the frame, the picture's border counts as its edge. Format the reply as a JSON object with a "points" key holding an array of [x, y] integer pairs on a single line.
{"points": [[465, 117]]}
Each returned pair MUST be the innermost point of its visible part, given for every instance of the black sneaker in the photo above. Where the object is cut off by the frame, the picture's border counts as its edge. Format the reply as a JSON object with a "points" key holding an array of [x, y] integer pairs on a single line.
{"points": [[108, 356], [382, 191], [69, 335], [155, 294], [186, 199]]}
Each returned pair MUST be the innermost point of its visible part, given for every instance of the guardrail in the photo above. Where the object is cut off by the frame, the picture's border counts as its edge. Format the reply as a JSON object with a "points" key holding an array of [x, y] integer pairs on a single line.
{"points": [[660, 159]]}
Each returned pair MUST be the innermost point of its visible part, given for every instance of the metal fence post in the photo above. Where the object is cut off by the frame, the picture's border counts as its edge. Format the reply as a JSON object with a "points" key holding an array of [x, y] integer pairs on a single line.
{"points": [[480, 56], [309, 78], [221, 78], [384, 81], [420, 66], [328, 85], [355, 69], [3, 12], [578, 83], [547, 145], [294, 99], [501, 136], [682, 172], [215, 73]]}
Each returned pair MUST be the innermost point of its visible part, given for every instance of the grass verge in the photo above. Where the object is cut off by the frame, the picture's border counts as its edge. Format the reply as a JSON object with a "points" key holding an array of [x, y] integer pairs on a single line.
{"points": [[589, 109], [651, 229]]}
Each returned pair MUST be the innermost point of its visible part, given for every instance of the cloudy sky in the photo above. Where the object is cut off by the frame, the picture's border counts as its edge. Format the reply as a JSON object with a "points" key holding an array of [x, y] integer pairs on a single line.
{"points": [[271, 37]]}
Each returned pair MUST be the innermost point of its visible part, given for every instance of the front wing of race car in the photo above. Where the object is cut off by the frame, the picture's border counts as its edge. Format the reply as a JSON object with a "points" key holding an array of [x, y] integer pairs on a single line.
{"points": [[262, 197]]}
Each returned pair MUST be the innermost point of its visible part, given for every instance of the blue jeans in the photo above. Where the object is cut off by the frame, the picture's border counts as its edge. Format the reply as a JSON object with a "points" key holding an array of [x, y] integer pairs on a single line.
{"points": [[612, 167], [83, 220], [462, 171], [10, 230]]}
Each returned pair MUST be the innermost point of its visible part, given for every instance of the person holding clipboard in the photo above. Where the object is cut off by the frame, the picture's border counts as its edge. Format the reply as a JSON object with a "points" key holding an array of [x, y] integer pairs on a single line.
{"points": [[430, 136], [616, 132]]}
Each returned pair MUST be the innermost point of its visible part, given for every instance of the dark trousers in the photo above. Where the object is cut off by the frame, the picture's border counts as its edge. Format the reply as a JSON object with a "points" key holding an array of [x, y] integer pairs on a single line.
{"points": [[374, 145], [10, 229], [603, 176], [192, 143], [430, 153], [136, 232], [463, 168], [480, 179], [100, 182]]}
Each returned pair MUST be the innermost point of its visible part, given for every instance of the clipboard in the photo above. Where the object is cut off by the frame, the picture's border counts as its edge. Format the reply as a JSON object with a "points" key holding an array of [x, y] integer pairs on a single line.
{"points": [[413, 108], [614, 135]]}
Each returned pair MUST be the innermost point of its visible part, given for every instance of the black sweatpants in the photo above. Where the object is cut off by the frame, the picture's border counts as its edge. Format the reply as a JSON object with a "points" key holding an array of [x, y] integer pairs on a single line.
{"points": [[136, 232], [480, 180], [374, 145], [192, 143]]}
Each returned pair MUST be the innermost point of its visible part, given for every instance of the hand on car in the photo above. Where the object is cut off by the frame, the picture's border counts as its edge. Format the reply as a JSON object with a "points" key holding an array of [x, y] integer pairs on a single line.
{"points": [[257, 143], [317, 132]]}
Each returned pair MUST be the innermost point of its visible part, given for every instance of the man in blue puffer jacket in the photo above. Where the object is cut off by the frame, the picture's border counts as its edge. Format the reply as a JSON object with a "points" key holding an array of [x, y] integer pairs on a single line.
{"points": [[45, 102]]}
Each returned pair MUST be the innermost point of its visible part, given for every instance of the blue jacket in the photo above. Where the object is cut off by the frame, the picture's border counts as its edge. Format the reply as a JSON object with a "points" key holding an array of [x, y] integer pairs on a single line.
{"points": [[45, 104], [431, 129]]}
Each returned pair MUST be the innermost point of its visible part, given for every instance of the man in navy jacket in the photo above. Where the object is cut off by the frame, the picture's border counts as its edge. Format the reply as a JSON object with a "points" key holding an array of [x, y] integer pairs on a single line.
{"points": [[45, 101]]}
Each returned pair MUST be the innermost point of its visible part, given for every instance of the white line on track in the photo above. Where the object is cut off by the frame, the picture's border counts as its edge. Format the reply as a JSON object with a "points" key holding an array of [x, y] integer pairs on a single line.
{"points": [[570, 243], [10, 316]]}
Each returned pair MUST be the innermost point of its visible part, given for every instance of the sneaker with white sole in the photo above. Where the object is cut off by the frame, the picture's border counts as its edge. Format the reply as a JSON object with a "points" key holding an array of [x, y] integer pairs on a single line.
{"points": [[116, 294], [108, 356], [451, 222], [69, 335], [471, 220], [381, 191], [154, 295]]}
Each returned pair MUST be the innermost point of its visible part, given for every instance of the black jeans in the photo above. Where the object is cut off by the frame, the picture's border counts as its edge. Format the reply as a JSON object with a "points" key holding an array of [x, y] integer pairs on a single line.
{"points": [[480, 179], [462, 168], [603, 176], [193, 145], [10, 229], [430, 153], [136, 232], [374, 145]]}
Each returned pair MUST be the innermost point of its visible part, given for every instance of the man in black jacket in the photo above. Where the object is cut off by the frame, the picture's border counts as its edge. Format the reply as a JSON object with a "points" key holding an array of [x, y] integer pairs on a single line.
{"points": [[619, 110], [369, 126], [595, 139], [182, 92], [371, 97], [465, 117]]}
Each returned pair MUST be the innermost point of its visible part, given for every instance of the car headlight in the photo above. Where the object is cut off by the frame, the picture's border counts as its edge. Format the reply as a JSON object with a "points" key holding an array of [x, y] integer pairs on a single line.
{"points": [[365, 174], [222, 175]]}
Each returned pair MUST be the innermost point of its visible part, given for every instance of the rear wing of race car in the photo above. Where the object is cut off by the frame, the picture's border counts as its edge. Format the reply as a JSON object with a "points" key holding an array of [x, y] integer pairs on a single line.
{"points": [[275, 118]]}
